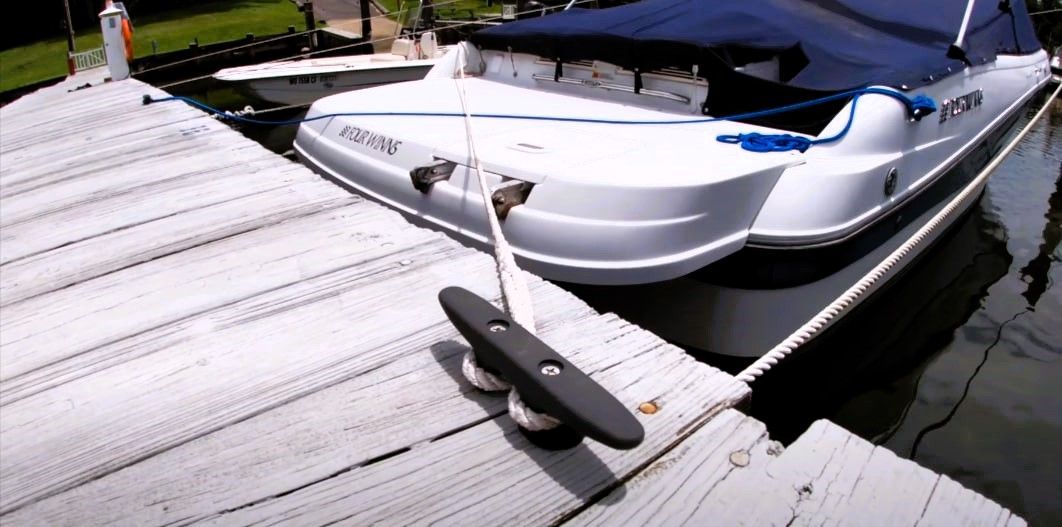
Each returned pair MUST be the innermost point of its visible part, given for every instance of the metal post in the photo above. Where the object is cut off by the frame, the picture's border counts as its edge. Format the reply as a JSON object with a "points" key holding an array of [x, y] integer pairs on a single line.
{"points": [[69, 28], [366, 20], [955, 51], [70, 46], [311, 23]]}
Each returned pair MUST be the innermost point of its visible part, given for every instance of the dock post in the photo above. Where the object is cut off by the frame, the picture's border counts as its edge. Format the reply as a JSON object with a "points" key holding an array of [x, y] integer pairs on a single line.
{"points": [[71, 48], [366, 20], [311, 23], [114, 42]]}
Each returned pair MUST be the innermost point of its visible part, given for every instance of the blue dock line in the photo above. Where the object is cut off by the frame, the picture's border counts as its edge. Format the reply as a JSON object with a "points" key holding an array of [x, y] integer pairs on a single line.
{"points": [[917, 107]]}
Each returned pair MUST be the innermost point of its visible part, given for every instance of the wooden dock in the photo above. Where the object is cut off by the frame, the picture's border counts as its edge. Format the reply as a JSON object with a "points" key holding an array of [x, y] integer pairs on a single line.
{"points": [[194, 330]]}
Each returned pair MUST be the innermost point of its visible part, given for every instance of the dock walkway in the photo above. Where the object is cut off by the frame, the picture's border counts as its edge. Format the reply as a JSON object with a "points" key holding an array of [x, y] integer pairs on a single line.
{"points": [[194, 330]]}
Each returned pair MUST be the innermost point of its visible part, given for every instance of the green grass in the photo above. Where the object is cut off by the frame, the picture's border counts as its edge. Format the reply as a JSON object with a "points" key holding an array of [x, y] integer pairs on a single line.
{"points": [[452, 8], [210, 21]]}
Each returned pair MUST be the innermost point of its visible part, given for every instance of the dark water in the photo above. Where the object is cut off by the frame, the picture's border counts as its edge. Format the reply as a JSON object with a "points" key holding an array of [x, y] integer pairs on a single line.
{"points": [[958, 365], [275, 138]]}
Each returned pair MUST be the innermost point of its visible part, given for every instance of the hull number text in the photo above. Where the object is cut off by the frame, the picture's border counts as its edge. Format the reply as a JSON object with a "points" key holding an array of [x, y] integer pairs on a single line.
{"points": [[310, 79], [951, 108]]}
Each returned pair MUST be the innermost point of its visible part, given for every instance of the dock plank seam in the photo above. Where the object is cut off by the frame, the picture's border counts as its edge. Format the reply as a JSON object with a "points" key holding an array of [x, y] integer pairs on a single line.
{"points": [[132, 460], [528, 477], [176, 249], [136, 224], [105, 193], [200, 257], [7, 399], [71, 275]]}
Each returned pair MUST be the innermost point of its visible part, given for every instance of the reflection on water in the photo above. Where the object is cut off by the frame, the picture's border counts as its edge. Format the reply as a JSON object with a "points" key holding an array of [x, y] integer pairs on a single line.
{"points": [[887, 342], [278, 139], [958, 364], [1035, 272]]}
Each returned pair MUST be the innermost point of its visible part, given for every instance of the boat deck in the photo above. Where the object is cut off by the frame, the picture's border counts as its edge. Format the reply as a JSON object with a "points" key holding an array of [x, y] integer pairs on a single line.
{"points": [[196, 330]]}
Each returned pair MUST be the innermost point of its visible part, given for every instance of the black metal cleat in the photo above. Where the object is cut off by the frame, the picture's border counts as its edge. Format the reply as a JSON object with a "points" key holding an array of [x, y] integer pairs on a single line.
{"points": [[546, 382], [425, 176]]}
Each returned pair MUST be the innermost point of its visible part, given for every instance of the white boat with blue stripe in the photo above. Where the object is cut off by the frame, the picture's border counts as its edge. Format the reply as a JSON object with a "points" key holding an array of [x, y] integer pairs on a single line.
{"points": [[747, 159]]}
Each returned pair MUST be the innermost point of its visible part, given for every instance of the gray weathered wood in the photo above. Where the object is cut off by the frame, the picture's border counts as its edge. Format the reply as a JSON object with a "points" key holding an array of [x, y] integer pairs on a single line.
{"points": [[688, 485], [219, 368], [153, 333], [490, 475], [827, 477], [848, 479], [953, 504], [42, 332], [333, 430]]}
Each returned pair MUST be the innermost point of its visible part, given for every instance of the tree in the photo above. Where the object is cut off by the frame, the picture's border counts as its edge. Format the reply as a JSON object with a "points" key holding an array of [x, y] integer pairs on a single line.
{"points": [[1048, 25]]}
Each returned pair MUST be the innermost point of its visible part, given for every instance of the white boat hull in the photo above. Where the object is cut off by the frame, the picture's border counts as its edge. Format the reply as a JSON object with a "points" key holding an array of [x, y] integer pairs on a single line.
{"points": [[300, 82], [304, 89], [615, 205], [748, 322], [669, 206]]}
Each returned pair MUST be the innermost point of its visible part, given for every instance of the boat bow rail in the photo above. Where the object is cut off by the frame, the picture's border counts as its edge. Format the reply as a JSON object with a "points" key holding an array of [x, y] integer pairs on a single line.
{"points": [[609, 204]]}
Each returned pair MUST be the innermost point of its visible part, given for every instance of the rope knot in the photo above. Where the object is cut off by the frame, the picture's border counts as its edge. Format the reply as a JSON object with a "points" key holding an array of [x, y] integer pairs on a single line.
{"points": [[756, 142], [921, 106]]}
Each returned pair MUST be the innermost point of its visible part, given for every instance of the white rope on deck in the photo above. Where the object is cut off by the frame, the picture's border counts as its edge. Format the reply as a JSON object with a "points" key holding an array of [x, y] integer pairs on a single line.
{"points": [[850, 297], [514, 289]]}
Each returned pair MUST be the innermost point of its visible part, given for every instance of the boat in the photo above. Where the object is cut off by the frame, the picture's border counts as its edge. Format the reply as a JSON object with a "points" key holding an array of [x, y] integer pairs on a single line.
{"points": [[734, 166], [301, 81]]}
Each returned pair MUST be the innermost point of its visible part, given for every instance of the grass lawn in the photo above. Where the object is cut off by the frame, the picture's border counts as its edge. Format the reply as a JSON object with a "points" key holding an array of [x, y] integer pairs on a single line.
{"points": [[210, 21], [451, 8]]}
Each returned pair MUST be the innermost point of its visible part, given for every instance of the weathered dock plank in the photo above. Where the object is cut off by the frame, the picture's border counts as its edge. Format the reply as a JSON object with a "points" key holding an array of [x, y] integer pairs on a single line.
{"points": [[693, 483], [953, 504], [153, 334], [128, 245], [67, 161], [342, 429], [53, 336], [194, 330], [490, 475], [826, 477]]}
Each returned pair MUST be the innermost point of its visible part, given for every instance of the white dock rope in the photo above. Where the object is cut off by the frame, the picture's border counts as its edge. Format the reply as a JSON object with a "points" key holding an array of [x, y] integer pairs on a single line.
{"points": [[850, 297], [514, 289]]}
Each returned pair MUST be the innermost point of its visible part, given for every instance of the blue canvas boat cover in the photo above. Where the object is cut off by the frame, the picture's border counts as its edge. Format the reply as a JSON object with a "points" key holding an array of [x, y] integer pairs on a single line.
{"points": [[846, 43]]}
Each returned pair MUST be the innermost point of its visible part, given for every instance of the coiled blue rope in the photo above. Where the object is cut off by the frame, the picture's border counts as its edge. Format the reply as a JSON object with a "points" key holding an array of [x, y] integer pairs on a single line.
{"points": [[917, 107]]}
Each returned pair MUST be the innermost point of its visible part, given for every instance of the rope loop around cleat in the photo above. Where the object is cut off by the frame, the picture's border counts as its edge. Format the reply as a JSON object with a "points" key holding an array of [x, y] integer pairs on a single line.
{"points": [[515, 293]]}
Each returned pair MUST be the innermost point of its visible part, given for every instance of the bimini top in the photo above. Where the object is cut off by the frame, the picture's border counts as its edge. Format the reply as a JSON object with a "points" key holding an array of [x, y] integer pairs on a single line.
{"points": [[837, 44]]}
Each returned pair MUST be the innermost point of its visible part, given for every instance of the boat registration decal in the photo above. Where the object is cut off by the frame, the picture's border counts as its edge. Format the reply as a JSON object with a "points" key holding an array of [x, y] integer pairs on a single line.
{"points": [[950, 108], [310, 79], [373, 140]]}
